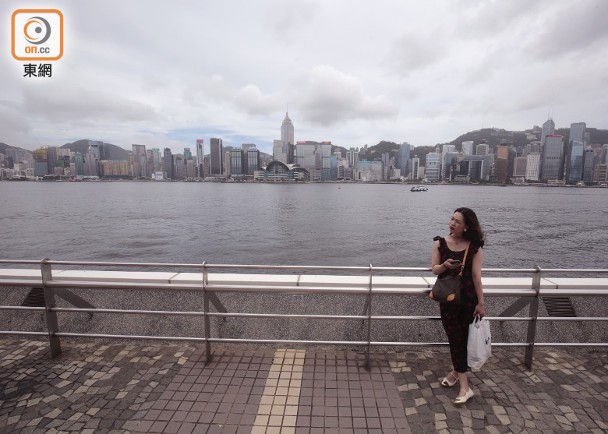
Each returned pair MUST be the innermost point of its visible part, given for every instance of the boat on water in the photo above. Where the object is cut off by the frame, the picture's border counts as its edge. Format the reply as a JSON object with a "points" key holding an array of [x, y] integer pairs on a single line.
{"points": [[418, 188]]}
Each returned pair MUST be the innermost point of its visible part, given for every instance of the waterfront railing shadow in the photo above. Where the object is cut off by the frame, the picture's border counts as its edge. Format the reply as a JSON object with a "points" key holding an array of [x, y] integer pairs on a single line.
{"points": [[365, 307]]}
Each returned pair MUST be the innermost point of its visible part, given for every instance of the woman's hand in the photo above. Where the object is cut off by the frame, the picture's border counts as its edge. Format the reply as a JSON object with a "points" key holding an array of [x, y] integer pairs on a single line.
{"points": [[480, 310], [452, 266]]}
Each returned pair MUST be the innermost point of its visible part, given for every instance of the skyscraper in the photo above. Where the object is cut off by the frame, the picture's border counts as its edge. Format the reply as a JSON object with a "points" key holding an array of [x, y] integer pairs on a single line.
{"points": [[139, 161], [576, 146], [216, 149], [200, 156], [168, 164], [548, 128], [552, 161], [287, 139], [404, 158]]}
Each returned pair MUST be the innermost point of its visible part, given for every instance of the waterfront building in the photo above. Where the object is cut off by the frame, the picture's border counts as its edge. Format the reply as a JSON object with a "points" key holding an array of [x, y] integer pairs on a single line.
{"points": [[278, 153], [187, 154], [474, 168], [315, 157], [501, 166], [369, 171], [445, 164], [200, 155], [168, 164], [236, 162], [114, 168], [433, 166], [532, 167], [178, 166], [519, 169], [253, 161], [156, 160], [140, 159], [41, 167], [415, 168], [589, 161], [78, 164], [386, 166], [552, 160], [51, 159], [217, 157], [467, 147], [576, 146], [404, 158], [288, 138]]}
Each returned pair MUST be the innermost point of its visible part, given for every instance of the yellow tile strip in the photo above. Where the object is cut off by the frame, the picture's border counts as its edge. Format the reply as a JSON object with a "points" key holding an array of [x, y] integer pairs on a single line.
{"points": [[278, 407]]}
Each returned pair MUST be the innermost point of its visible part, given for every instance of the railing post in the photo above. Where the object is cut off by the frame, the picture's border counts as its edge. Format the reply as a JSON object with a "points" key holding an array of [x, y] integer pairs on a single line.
{"points": [[369, 320], [52, 325], [207, 322], [531, 339]]}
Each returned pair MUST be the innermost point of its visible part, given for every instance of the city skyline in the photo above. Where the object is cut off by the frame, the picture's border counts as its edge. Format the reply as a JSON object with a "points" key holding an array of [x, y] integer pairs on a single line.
{"points": [[399, 72]]}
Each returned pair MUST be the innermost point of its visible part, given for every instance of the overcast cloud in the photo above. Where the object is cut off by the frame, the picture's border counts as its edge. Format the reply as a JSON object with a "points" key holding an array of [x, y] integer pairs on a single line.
{"points": [[166, 73]]}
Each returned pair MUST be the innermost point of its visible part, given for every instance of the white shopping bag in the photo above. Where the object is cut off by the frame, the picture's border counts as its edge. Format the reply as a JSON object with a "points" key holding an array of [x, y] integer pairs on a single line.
{"points": [[479, 345]]}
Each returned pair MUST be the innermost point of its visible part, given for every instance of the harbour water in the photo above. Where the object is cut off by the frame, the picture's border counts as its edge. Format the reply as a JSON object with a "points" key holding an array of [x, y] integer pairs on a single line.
{"points": [[305, 224]]}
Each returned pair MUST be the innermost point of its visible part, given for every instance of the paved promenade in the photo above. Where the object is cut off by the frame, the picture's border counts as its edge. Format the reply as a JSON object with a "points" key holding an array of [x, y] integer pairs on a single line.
{"points": [[93, 387]]}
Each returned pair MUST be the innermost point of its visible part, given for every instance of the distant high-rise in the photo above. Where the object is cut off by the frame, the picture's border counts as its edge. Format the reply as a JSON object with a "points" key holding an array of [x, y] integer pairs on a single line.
{"points": [[287, 131], [287, 144], [548, 129], [404, 158], [168, 167], [200, 155], [139, 161], [552, 160], [576, 146], [216, 149]]}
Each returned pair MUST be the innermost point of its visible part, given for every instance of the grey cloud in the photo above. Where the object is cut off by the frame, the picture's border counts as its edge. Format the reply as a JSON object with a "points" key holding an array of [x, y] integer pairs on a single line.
{"points": [[577, 27], [61, 104], [12, 121], [415, 51], [327, 96], [251, 99]]}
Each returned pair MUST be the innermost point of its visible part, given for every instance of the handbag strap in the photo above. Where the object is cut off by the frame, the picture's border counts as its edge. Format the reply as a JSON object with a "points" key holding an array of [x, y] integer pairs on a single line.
{"points": [[464, 260]]}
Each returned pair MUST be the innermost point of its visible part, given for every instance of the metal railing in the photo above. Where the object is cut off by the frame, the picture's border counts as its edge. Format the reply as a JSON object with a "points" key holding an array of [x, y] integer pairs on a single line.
{"points": [[361, 281]]}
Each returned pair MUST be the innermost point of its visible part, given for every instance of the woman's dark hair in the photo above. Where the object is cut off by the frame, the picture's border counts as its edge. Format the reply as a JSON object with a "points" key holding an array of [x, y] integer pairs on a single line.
{"points": [[473, 232]]}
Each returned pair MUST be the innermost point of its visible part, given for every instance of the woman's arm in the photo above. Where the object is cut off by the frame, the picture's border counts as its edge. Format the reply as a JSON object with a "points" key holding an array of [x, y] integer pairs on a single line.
{"points": [[436, 265], [477, 263]]}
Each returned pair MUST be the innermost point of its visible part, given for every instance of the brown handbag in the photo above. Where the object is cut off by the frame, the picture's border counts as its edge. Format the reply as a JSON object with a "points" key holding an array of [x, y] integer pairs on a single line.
{"points": [[447, 288]]}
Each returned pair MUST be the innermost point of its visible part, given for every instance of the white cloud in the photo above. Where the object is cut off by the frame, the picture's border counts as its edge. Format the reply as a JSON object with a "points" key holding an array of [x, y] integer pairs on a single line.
{"points": [[327, 96]]}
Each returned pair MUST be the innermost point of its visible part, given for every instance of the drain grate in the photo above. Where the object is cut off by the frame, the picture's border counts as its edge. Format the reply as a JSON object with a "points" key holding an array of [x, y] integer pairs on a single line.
{"points": [[34, 298], [559, 306]]}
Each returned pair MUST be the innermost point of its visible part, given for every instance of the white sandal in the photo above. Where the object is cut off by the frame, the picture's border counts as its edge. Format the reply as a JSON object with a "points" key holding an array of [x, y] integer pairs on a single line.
{"points": [[462, 399], [446, 380]]}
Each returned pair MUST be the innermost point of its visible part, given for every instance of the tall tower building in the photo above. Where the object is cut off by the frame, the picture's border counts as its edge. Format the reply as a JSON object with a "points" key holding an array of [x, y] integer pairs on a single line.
{"points": [[548, 128], [576, 146], [217, 157], [552, 161], [140, 159], [404, 158], [287, 140], [168, 167], [200, 156], [287, 131]]}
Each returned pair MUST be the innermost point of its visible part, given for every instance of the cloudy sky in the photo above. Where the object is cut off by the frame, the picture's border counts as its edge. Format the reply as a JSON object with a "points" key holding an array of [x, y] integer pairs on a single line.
{"points": [[164, 73]]}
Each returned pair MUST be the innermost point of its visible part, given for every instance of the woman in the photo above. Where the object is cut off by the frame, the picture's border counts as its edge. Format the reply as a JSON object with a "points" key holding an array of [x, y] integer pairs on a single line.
{"points": [[465, 231]]}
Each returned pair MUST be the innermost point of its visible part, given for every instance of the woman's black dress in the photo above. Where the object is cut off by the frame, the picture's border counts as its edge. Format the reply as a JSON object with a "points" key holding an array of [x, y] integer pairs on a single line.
{"points": [[457, 317]]}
